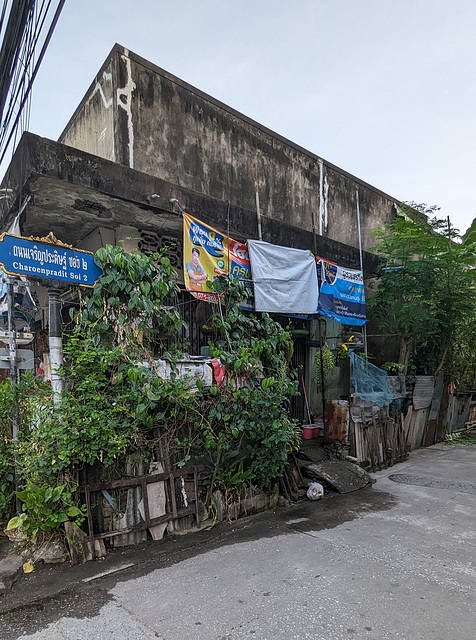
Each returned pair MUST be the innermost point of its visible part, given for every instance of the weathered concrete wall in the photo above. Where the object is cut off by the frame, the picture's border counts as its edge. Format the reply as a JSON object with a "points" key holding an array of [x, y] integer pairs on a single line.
{"points": [[91, 128], [168, 129], [73, 192]]}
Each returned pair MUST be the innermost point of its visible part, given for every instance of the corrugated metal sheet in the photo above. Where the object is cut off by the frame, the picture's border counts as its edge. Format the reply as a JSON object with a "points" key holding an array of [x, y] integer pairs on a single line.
{"points": [[460, 414], [417, 427], [423, 392]]}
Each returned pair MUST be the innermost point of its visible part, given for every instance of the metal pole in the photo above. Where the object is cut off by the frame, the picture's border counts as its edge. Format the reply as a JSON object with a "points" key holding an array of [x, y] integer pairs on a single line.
{"points": [[361, 258], [258, 212], [12, 344], [228, 233], [323, 393], [55, 341]]}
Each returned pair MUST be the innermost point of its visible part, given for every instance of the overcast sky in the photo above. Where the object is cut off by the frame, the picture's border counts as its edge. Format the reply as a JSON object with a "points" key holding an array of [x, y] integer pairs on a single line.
{"points": [[384, 89]]}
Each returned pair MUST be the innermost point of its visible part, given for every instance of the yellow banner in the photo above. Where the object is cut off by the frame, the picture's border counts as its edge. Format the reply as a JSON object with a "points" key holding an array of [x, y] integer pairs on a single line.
{"points": [[208, 254]]}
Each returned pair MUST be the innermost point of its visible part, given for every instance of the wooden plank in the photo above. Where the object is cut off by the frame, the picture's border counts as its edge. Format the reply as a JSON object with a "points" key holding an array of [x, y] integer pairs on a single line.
{"points": [[90, 523], [423, 392], [145, 498], [376, 437], [383, 436], [403, 446], [430, 435], [142, 525], [421, 416], [409, 427], [126, 483], [143, 481], [391, 439], [284, 489], [358, 442], [441, 422], [172, 494]]}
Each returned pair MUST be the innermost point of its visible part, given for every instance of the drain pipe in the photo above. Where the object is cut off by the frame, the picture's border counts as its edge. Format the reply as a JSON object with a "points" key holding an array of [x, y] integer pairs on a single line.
{"points": [[258, 211]]}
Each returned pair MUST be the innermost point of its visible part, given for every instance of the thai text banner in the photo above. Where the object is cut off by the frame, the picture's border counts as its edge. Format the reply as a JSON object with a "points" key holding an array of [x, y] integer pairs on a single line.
{"points": [[23, 257], [208, 254], [341, 294]]}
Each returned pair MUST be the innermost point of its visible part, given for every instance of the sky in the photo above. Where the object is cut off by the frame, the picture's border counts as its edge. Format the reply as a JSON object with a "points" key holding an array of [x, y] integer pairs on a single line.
{"points": [[383, 89]]}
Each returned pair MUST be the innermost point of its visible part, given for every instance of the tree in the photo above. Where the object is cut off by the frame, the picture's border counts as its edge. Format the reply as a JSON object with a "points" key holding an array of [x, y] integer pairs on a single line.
{"points": [[427, 294]]}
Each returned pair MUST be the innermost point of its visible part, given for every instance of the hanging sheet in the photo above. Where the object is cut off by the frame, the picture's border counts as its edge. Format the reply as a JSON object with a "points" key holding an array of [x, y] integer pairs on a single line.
{"points": [[341, 295], [284, 279]]}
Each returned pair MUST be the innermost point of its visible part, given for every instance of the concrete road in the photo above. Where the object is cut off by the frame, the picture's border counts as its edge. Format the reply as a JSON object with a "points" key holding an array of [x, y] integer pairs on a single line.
{"points": [[395, 561]]}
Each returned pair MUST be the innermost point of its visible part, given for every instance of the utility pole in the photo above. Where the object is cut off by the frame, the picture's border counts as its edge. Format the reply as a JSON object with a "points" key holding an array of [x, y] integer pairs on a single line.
{"points": [[12, 346], [55, 339]]}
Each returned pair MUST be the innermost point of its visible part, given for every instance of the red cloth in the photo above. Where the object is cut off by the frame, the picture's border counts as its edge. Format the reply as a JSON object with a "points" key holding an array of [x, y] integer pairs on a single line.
{"points": [[219, 371]]}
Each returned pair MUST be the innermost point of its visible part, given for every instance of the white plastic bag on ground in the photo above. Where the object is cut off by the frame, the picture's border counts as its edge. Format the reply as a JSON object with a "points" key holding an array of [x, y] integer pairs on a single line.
{"points": [[315, 491]]}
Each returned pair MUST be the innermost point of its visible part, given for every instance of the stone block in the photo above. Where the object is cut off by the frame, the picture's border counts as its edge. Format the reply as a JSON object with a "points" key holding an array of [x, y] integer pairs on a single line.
{"points": [[341, 475], [77, 541], [51, 553], [10, 569]]}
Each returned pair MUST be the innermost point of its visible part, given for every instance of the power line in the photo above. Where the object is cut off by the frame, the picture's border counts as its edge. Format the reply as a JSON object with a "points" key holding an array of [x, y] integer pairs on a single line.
{"points": [[22, 35]]}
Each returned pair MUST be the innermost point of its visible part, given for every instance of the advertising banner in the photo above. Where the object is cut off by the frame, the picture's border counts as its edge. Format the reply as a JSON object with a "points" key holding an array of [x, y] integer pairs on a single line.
{"points": [[341, 294], [208, 254]]}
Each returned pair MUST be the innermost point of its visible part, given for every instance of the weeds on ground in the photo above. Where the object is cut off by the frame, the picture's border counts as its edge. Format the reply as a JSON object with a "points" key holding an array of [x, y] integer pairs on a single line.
{"points": [[467, 438]]}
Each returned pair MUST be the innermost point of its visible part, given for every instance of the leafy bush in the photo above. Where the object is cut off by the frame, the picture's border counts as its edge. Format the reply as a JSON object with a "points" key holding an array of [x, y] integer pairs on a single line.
{"points": [[33, 398], [393, 368], [114, 397], [97, 417], [328, 364], [7, 486], [45, 509]]}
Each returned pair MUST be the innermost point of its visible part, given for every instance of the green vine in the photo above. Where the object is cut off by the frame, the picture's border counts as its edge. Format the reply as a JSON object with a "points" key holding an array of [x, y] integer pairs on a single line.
{"points": [[328, 364], [115, 399]]}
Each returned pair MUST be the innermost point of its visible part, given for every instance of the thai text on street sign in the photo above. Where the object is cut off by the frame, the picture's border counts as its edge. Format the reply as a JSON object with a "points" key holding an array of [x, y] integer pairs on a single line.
{"points": [[39, 259]]}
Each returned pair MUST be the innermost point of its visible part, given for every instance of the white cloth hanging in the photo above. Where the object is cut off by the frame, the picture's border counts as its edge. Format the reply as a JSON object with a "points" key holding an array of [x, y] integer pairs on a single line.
{"points": [[284, 278]]}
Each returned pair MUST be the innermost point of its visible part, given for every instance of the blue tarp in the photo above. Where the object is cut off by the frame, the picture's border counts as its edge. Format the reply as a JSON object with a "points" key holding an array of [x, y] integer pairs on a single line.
{"points": [[369, 381]]}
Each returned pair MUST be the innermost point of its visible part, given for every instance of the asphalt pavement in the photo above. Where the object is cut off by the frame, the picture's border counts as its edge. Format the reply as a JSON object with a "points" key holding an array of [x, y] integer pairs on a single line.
{"points": [[393, 561]]}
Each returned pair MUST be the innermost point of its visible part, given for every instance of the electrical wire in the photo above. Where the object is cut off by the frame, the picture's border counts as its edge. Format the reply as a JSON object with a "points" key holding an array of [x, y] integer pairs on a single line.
{"points": [[29, 27]]}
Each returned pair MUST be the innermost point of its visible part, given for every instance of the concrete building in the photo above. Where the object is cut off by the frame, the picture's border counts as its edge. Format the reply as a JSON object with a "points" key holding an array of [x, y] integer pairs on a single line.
{"points": [[142, 141]]}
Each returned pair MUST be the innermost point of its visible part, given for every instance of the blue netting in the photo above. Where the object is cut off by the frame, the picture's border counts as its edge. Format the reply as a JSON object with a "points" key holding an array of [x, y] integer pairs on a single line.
{"points": [[370, 382]]}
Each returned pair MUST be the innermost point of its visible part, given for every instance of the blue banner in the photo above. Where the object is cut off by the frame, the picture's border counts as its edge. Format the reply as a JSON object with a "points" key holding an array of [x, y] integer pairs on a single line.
{"points": [[202, 235], [37, 259], [341, 294]]}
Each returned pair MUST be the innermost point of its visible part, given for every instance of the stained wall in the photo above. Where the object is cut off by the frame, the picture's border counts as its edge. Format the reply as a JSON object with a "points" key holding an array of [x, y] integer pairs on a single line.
{"points": [[145, 118]]}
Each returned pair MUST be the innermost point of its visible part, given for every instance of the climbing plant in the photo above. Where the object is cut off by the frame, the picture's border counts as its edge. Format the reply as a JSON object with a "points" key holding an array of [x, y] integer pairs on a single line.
{"points": [[116, 395]]}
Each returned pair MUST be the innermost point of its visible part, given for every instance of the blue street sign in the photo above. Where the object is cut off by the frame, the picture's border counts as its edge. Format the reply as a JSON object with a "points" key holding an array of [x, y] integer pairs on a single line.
{"points": [[23, 257]]}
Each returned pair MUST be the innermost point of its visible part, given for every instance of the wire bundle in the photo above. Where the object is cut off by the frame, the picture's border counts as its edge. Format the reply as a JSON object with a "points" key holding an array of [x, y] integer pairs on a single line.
{"points": [[25, 26]]}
